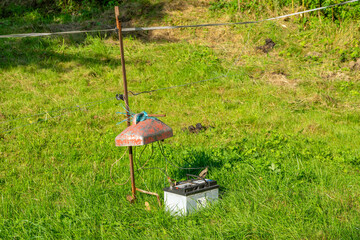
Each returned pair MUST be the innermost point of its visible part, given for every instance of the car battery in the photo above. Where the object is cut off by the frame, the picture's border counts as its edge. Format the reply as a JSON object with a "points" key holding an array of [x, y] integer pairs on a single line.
{"points": [[188, 196]]}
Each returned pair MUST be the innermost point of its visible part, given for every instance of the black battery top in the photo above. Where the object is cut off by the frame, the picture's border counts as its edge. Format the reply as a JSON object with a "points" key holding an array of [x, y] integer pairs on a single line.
{"points": [[192, 186]]}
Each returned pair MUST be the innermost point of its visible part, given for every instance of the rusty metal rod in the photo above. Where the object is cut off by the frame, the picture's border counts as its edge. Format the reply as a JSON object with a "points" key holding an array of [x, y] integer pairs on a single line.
{"points": [[126, 99], [151, 193]]}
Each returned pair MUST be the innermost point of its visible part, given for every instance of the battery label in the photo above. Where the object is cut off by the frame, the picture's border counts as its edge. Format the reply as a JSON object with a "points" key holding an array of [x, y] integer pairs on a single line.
{"points": [[201, 202]]}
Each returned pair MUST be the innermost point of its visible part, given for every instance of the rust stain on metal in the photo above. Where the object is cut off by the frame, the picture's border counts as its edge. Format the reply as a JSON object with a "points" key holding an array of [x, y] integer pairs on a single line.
{"points": [[143, 133]]}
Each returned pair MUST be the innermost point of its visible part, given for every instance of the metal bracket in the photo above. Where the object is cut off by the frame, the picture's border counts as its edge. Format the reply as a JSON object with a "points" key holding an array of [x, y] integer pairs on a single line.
{"points": [[151, 193], [120, 97]]}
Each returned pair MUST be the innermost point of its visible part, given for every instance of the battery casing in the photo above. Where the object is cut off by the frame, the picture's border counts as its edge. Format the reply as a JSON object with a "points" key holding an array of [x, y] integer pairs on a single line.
{"points": [[189, 196]]}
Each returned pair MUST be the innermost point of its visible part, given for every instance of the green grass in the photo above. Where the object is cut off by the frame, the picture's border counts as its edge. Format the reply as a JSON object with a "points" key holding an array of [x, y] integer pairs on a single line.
{"points": [[284, 146]]}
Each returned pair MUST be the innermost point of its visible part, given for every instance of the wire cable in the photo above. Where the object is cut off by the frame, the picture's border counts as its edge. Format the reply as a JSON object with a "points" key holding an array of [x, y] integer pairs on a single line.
{"points": [[143, 166], [172, 164], [190, 83], [176, 86], [52, 117], [121, 97], [133, 29], [112, 165], [20, 35], [138, 169], [236, 23], [58, 110]]}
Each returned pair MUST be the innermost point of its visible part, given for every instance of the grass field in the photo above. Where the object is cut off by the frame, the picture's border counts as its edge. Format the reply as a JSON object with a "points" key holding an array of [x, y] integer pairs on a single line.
{"points": [[283, 143]]}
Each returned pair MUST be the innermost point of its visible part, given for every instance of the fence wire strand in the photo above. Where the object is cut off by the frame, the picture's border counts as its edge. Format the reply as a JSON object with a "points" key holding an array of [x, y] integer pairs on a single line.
{"points": [[59, 115], [58, 110], [77, 108], [133, 29]]}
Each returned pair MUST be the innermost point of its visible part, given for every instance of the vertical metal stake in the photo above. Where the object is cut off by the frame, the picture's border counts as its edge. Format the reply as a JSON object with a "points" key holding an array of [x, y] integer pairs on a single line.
{"points": [[132, 176]]}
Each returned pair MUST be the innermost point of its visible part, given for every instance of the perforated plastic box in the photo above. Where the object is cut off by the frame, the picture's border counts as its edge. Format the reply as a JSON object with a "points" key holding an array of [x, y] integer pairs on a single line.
{"points": [[191, 195]]}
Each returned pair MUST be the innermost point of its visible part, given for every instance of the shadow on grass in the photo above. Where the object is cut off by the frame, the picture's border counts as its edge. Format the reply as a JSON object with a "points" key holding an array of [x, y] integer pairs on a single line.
{"points": [[198, 159], [45, 55], [194, 159], [33, 17], [44, 52]]}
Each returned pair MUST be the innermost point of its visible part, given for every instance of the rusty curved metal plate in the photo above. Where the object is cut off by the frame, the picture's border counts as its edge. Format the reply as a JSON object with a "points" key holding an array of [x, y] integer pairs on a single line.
{"points": [[143, 133]]}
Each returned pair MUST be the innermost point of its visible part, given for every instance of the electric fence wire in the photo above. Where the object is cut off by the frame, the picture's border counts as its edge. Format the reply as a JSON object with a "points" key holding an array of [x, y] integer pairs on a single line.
{"points": [[176, 86], [172, 164], [176, 27], [149, 168], [236, 23], [111, 168], [20, 35], [118, 97], [59, 115], [77, 108], [201, 81], [159, 143], [145, 29], [164, 171], [58, 110], [137, 166], [138, 163]]}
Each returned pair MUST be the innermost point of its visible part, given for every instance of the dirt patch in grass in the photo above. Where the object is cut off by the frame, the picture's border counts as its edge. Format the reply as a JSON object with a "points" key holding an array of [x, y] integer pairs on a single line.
{"points": [[279, 79], [355, 66], [198, 128], [269, 44], [314, 128], [334, 76]]}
